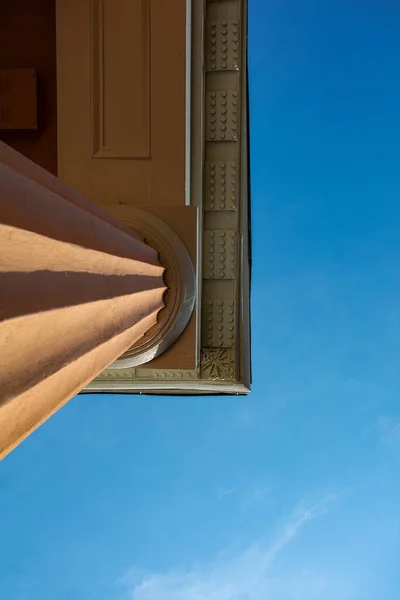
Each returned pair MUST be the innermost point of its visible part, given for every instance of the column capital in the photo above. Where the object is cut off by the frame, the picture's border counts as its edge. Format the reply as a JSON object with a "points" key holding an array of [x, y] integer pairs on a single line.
{"points": [[179, 277]]}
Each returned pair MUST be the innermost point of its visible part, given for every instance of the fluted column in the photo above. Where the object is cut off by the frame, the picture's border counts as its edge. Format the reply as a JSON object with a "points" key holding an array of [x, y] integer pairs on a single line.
{"points": [[77, 289]]}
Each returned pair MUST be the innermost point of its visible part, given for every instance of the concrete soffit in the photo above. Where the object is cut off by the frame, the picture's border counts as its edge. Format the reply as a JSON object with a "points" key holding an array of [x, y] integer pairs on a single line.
{"points": [[217, 182]]}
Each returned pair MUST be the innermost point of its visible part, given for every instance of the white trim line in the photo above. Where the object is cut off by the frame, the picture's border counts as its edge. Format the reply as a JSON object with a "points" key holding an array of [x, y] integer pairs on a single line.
{"points": [[147, 387], [188, 103]]}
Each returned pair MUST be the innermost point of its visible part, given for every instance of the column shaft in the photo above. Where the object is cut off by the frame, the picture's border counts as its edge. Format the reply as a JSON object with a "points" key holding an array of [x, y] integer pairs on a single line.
{"points": [[77, 289]]}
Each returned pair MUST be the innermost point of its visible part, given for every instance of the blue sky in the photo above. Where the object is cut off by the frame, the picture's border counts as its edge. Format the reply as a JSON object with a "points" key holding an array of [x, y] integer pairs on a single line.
{"points": [[293, 492]]}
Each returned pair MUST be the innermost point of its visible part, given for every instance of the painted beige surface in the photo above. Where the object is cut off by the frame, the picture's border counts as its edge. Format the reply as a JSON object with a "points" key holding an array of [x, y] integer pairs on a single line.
{"points": [[76, 290], [18, 99], [121, 99], [28, 39]]}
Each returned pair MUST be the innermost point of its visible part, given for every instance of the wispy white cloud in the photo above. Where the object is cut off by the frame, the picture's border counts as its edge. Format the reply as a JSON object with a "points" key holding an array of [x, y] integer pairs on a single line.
{"points": [[248, 576], [223, 492], [261, 493], [389, 428]]}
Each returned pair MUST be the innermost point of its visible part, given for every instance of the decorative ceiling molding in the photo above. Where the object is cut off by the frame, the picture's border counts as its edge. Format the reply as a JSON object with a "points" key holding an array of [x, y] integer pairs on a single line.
{"points": [[219, 187]]}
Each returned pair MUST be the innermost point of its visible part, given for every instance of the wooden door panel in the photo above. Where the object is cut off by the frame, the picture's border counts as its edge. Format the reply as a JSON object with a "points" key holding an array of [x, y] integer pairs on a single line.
{"points": [[121, 99], [121, 79]]}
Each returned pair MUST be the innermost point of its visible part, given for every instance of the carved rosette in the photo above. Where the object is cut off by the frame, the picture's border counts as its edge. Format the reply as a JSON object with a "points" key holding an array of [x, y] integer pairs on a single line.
{"points": [[217, 363]]}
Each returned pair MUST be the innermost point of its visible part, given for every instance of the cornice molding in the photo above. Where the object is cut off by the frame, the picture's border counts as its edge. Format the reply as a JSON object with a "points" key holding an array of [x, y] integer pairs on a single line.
{"points": [[219, 186]]}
